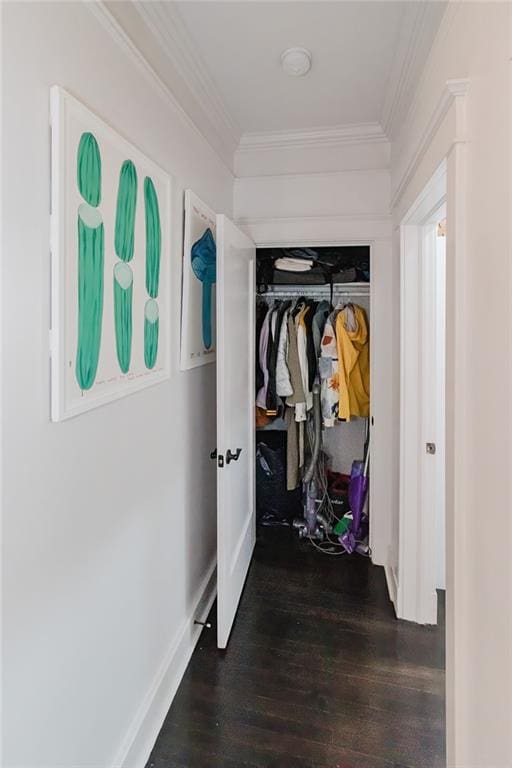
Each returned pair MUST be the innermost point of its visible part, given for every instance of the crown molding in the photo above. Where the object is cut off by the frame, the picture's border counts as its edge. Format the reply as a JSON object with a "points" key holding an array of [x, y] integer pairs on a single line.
{"points": [[308, 175], [329, 218], [454, 92], [416, 104], [333, 136], [406, 65], [166, 25], [402, 67], [108, 21]]}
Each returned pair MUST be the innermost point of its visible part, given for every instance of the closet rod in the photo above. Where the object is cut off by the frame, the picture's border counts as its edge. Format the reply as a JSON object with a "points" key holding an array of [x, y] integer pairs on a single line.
{"points": [[310, 294], [320, 287]]}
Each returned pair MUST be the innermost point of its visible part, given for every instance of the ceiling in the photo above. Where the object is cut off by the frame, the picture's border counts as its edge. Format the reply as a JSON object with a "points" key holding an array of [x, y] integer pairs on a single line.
{"points": [[221, 62], [354, 45]]}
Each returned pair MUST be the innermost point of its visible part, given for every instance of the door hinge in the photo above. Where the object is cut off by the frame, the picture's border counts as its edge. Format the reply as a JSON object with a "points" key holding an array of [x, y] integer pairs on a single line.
{"points": [[220, 461]]}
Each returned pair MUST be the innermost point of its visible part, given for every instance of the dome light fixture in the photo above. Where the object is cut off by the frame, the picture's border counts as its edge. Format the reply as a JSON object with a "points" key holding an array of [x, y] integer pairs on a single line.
{"points": [[296, 62]]}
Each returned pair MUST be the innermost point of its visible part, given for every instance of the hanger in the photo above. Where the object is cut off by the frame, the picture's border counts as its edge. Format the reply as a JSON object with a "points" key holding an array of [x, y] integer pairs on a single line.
{"points": [[299, 304]]}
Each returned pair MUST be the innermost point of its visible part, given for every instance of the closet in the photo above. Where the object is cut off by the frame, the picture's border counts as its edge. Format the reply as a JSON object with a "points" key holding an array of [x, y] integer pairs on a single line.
{"points": [[309, 455], [282, 278]]}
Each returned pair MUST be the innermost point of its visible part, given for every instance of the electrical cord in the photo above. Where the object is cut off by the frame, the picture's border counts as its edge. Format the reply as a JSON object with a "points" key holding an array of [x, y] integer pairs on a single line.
{"points": [[325, 506], [326, 551]]}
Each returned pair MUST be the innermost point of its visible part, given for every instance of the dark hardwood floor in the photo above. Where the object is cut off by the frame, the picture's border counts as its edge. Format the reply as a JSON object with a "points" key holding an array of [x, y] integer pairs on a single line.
{"points": [[318, 674]]}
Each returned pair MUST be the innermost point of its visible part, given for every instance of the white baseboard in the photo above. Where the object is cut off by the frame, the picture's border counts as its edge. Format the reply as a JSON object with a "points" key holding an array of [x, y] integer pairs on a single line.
{"points": [[377, 557], [142, 734], [392, 583]]}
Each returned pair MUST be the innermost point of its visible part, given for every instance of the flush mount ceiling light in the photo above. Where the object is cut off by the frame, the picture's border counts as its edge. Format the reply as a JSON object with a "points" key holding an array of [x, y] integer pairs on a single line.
{"points": [[296, 62]]}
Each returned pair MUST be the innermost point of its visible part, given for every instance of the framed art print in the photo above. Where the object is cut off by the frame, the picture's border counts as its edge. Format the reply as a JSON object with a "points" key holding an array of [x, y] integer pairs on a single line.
{"points": [[110, 222], [199, 278]]}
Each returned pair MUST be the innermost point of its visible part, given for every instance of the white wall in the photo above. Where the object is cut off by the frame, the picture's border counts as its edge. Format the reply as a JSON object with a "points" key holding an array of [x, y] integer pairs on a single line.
{"points": [[474, 43], [354, 193], [100, 576], [108, 518], [309, 152]]}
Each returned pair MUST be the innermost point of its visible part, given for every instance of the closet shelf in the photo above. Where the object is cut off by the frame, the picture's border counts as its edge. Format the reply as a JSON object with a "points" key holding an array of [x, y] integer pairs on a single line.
{"points": [[312, 291]]}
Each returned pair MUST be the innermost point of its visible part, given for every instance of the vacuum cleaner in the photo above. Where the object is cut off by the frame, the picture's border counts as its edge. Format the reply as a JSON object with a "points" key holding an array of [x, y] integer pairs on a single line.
{"points": [[314, 525], [319, 522], [354, 538]]}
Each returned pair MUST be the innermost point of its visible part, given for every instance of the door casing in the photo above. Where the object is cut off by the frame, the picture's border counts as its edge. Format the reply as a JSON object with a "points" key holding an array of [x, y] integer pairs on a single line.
{"points": [[420, 473]]}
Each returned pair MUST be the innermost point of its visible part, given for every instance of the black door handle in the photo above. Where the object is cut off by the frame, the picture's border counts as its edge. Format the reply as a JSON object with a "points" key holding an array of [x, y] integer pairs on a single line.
{"points": [[233, 456]]}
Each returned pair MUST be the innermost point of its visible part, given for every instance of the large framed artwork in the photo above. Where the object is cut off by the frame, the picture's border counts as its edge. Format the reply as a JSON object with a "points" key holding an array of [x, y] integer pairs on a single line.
{"points": [[199, 277], [111, 209]]}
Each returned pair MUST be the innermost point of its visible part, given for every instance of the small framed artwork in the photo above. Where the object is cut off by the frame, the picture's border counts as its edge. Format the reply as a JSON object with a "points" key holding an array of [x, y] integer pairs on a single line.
{"points": [[199, 278], [111, 210]]}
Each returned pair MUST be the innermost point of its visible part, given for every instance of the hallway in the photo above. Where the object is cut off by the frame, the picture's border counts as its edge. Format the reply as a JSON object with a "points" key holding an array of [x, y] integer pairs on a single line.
{"points": [[318, 674]]}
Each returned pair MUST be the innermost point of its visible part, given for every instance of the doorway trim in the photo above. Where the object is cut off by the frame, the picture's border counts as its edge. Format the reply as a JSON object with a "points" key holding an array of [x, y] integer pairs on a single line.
{"points": [[416, 595], [445, 137], [381, 417]]}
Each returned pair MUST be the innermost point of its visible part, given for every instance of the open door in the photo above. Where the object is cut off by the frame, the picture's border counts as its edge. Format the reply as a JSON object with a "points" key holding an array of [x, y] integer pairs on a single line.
{"points": [[236, 522]]}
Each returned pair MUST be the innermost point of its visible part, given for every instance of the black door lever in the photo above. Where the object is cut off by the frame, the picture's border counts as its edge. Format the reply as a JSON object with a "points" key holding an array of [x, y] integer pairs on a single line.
{"points": [[233, 456]]}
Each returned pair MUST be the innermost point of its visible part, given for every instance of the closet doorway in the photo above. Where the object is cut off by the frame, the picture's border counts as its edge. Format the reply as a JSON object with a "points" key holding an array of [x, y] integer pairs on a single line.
{"points": [[237, 287], [422, 519]]}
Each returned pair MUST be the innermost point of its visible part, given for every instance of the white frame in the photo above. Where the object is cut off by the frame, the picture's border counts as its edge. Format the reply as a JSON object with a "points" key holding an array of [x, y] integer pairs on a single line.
{"points": [[417, 596], [378, 556], [431, 149], [61, 103]]}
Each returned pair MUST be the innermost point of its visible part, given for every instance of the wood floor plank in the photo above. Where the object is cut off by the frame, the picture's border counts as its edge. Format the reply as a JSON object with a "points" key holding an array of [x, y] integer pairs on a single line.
{"points": [[318, 674]]}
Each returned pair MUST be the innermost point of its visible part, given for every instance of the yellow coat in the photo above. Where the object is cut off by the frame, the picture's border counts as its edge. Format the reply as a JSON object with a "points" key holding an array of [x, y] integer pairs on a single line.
{"points": [[354, 366]]}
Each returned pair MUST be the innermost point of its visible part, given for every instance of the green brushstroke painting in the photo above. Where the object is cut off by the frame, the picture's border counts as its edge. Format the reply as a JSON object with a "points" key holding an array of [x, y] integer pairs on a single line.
{"points": [[89, 169], [153, 238], [91, 259], [125, 211], [123, 295], [151, 323]]}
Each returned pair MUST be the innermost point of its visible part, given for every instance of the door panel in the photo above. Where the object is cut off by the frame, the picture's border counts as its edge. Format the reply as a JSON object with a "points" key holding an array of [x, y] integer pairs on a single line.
{"points": [[236, 523]]}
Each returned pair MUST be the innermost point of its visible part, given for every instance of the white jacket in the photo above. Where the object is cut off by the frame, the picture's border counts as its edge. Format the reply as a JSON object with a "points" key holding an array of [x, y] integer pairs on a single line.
{"points": [[283, 382]]}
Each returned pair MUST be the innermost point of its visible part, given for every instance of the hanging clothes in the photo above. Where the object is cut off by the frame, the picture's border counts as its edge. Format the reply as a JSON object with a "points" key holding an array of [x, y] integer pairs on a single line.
{"points": [[261, 311], [296, 344], [298, 397], [283, 381], [279, 317], [310, 344], [302, 349], [292, 449], [287, 360], [319, 319], [329, 374], [271, 396], [261, 397], [353, 362]]}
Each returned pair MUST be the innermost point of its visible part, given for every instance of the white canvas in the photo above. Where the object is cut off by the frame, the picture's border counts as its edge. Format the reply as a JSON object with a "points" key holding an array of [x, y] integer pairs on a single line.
{"points": [[194, 351], [72, 393]]}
